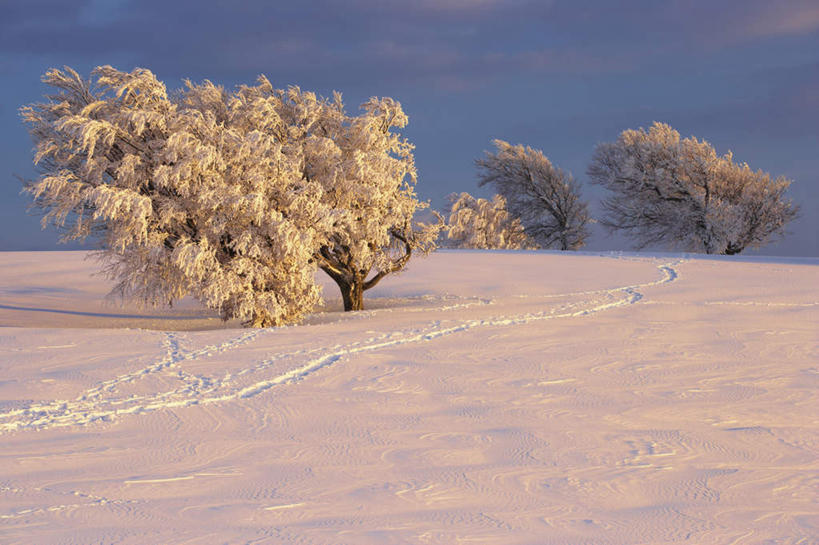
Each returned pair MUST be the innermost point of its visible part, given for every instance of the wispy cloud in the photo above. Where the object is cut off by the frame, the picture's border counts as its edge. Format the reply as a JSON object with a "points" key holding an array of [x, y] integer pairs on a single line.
{"points": [[780, 19], [450, 6], [570, 61], [102, 12], [731, 24]]}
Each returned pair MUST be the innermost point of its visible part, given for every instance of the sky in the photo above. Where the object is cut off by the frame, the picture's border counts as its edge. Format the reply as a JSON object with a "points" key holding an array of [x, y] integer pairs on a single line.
{"points": [[560, 76]]}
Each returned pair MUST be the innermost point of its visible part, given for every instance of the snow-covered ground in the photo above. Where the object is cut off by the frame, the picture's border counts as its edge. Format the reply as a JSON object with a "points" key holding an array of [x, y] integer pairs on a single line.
{"points": [[486, 397]]}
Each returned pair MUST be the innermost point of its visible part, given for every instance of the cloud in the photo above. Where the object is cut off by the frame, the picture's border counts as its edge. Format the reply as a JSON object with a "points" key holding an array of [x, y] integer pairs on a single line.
{"points": [[571, 61], [780, 19], [448, 45], [721, 24], [460, 7], [102, 12]]}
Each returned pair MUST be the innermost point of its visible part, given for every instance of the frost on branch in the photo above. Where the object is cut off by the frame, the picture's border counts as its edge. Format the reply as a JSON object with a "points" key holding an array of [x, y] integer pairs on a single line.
{"points": [[232, 197], [680, 193], [484, 224], [546, 199]]}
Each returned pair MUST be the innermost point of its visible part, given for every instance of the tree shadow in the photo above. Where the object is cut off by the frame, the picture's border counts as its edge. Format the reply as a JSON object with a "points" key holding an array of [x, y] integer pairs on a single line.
{"points": [[100, 314]]}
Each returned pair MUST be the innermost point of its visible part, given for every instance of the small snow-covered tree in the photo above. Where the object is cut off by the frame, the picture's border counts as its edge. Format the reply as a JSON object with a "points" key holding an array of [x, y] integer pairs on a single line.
{"points": [[484, 224], [546, 199], [680, 193], [223, 196], [368, 175]]}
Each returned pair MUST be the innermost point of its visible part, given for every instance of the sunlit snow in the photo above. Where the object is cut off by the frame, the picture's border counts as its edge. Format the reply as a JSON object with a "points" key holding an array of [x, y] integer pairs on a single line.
{"points": [[486, 397]]}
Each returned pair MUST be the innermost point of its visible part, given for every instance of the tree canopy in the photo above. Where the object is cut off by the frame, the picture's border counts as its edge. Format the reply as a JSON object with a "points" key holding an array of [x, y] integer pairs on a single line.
{"points": [[484, 224], [680, 193], [546, 199], [232, 197]]}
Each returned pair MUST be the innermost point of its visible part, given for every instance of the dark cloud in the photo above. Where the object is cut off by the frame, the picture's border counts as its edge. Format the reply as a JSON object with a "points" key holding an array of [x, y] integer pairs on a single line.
{"points": [[723, 23], [561, 75]]}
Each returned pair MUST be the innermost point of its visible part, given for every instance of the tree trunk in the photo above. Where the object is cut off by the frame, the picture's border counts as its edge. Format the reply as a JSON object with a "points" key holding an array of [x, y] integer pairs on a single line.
{"points": [[733, 249], [259, 320], [564, 243], [351, 280], [350, 285], [352, 294]]}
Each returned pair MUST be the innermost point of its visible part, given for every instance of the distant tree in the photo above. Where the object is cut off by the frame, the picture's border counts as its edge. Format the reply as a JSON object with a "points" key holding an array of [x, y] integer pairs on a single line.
{"points": [[484, 224], [680, 193], [234, 198], [544, 198]]}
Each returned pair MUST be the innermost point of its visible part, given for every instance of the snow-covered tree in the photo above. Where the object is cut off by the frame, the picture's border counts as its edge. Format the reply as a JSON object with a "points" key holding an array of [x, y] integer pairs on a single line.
{"points": [[680, 193], [484, 224], [368, 175], [546, 199], [184, 195], [224, 196]]}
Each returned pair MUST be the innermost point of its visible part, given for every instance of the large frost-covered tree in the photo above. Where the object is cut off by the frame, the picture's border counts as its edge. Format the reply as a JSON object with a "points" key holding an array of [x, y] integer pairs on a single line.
{"points": [[546, 199], [228, 197], [680, 193], [184, 195], [484, 224]]}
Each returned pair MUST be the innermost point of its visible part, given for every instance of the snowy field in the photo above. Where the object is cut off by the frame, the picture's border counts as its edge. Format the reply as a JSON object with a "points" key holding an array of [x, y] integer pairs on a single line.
{"points": [[485, 397]]}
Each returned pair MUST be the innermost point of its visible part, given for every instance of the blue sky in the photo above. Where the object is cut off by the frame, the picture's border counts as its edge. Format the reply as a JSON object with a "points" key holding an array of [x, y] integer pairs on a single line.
{"points": [[557, 75]]}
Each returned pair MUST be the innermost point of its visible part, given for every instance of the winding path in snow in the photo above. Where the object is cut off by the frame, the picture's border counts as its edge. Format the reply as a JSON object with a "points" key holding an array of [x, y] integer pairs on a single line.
{"points": [[104, 402]]}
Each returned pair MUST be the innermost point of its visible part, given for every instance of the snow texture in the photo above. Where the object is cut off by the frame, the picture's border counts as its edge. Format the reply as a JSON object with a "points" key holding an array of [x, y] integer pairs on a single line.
{"points": [[500, 397]]}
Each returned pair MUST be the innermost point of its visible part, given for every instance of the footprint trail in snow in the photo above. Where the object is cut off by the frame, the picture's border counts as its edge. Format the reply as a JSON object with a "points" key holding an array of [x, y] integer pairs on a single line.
{"points": [[104, 402]]}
